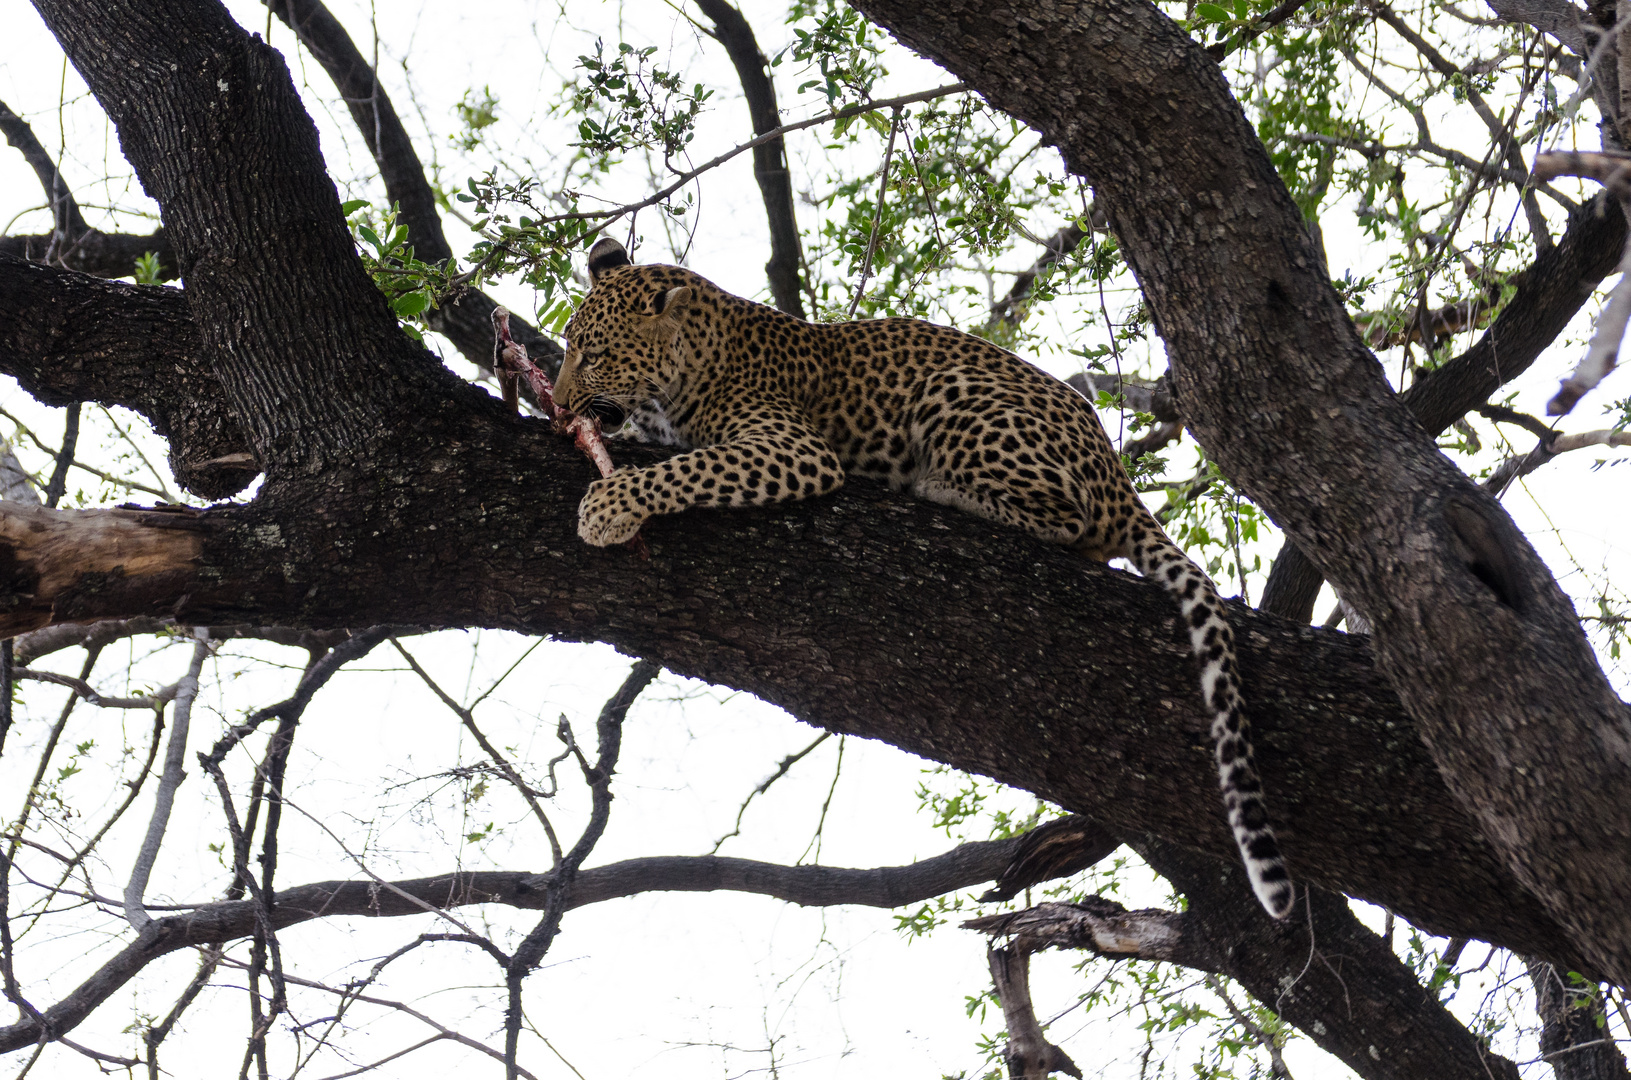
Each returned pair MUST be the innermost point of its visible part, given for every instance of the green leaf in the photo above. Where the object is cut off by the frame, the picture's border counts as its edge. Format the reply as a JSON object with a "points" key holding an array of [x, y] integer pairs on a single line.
{"points": [[1242, 12], [351, 206], [368, 234], [1210, 13], [410, 304]]}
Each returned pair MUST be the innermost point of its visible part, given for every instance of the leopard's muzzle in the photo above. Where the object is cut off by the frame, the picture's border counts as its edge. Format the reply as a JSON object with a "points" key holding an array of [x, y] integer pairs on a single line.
{"points": [[610, 414]]}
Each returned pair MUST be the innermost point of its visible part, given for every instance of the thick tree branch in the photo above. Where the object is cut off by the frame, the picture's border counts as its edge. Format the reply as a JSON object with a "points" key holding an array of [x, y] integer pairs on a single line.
{"points": [[1549, 293], [70, 337], [310, 354], [1361, 807], [432, 507], [1470, 627]]}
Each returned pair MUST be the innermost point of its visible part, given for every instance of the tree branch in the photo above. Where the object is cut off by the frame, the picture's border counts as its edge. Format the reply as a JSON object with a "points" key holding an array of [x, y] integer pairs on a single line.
{"points": [[73, 244], [966, 865], [769, 158], [1335, 749], [68, 337], [1549, 293], [1029, 1055]]}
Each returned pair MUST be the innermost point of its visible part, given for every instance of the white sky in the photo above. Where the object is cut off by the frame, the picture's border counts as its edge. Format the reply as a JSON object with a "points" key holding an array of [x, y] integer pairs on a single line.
{"points": [[663, 985]]}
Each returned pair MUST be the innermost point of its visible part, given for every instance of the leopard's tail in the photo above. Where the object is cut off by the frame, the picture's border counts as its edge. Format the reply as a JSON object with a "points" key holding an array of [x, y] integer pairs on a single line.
{"points": [[1158, 558]]}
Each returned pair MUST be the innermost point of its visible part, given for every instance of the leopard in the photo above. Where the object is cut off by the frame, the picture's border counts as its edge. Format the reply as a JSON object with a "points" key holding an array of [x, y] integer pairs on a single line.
{"points": [[767, 408]]}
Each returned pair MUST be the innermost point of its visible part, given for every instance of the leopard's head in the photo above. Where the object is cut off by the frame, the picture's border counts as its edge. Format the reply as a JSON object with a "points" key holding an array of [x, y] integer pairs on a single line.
{"points": [[622, 343]]}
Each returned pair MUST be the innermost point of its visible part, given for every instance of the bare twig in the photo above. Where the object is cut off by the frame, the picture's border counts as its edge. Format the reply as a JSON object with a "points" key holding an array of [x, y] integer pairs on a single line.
{"points": [[169, 780], [764, 785], [1499, 131], [21, 823], [500, 762], [1277, 1062], [84, 690], [558, 887], [877, 214], [209, 958], [463, 321], [56, 452], [406, 1010]]}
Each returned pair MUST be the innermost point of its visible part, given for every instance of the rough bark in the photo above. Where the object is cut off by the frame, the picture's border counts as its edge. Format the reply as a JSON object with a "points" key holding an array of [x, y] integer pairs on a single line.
{"points": [[1029, 1055], [1470, 627], [68, 337], [1549, 293], [309, 353]]}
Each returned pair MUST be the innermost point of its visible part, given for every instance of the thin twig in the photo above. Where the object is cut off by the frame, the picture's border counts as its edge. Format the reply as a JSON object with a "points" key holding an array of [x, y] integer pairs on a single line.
{"points": [[877, 215], [764, 785], [169, 780], [500, 762], [558, 887], [401, 1007]]}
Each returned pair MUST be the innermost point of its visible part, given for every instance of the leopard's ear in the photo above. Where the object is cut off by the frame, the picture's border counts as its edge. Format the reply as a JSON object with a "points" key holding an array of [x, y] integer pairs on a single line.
{"points": [[606, 254], [671, 303]]}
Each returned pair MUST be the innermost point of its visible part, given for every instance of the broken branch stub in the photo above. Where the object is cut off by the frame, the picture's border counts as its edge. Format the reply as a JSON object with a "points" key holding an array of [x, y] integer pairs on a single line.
{"points": [[62, 566]]}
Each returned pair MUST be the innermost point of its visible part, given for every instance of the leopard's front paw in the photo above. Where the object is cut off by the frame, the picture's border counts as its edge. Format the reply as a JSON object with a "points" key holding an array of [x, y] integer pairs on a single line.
{"points": [[608, 515]]}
